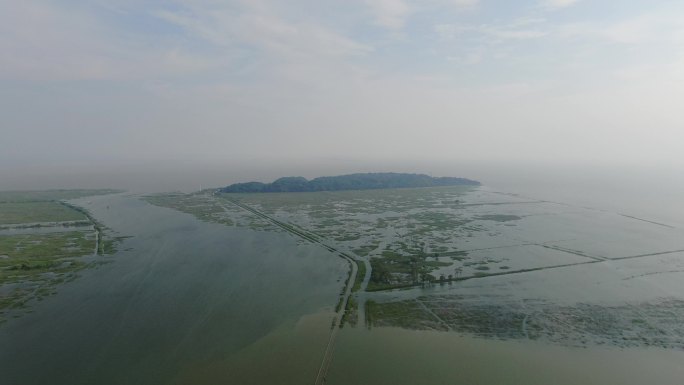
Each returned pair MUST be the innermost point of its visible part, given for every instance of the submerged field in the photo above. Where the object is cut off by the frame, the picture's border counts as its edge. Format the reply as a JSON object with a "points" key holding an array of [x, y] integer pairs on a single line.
{"points": [[43, 241], [483, 263]]}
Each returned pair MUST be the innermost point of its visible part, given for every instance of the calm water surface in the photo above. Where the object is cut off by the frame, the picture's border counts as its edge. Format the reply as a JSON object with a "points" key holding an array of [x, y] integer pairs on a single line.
{"points": [[185, 302], [396, 356]]}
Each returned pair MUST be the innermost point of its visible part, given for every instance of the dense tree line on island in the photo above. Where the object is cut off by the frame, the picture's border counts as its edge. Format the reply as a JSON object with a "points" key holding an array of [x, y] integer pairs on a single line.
{"points": [[367, 181]]}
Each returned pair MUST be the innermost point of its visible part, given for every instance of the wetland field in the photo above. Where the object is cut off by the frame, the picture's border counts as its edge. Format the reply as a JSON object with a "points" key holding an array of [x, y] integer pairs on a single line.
{"points": [[439, 285], [45, 241]]}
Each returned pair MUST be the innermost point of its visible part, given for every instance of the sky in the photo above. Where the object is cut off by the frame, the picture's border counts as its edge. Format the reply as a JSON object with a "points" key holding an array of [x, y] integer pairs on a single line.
{"points": [[102, 84]]}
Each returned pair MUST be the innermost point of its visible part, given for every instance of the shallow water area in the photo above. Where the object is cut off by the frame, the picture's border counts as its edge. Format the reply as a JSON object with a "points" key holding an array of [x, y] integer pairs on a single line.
{"points": [[399, 356], [179, 294]]}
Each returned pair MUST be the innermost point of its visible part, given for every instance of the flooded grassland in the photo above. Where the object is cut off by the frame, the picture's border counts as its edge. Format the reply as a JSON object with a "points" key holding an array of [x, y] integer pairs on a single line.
{"points": [[44, 241], [464, 263]]}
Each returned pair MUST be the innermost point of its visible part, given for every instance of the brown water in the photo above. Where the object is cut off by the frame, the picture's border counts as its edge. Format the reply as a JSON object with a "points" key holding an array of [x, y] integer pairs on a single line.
{"points": [[398, 356]]}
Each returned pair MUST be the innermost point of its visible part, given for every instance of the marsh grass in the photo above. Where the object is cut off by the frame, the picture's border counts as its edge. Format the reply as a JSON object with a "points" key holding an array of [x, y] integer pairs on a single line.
{"points": [[32, 212], [36, 263], [33, 264], [360, 274], [51, 195]]}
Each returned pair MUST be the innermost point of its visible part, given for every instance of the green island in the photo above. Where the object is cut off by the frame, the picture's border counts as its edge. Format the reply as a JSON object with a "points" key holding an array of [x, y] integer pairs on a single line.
{"points": [[367, 181], [44, 241]]}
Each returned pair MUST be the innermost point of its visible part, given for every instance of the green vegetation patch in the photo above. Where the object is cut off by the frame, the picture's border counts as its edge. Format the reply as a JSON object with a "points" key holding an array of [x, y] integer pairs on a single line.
{"points": [[348, 182], [32, 264], [348, 237], [206, 207], [364, 250], [110, 246], [52, 245], [351, 313], [34, 281], [360, 274], [30, 212], [634, 324], [195, 204], [433, 220], [409, 267], [51, 195], [406, 314]]}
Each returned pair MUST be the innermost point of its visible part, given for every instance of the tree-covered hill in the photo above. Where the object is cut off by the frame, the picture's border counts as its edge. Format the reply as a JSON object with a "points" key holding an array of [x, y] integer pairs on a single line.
{"points": [[348, 182]]}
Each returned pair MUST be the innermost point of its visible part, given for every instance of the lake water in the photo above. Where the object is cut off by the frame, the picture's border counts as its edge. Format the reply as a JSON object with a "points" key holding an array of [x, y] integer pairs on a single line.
{"points": [[187, 302]]}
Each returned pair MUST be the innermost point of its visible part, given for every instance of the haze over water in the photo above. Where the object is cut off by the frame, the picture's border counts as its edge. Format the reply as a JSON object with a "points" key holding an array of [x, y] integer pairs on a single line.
{"points": [[648, 190]]}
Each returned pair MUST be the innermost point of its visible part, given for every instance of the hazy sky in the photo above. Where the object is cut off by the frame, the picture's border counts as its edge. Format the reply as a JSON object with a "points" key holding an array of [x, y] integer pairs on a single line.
{"points": [[228, 82]]}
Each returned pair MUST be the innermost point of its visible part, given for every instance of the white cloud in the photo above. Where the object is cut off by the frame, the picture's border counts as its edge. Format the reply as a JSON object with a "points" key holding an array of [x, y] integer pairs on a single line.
{"points": [[513, 34], [390, 14], [470, 58], [261, 27], [447, 31], [642, 29], [558, 3], [516, 30], [463, 3], [48, 41], [634, 31], [41, 41], [243, 70], [664, 73]]}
